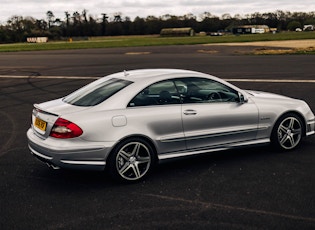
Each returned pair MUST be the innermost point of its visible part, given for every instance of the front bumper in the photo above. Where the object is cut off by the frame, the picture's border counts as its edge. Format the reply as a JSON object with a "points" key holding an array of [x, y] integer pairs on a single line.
{"points": [[69, 153], [310, 127]]}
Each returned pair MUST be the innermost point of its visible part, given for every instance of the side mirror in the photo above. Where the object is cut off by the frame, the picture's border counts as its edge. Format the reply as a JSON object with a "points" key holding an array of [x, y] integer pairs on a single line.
{"points": [[242, 98]]}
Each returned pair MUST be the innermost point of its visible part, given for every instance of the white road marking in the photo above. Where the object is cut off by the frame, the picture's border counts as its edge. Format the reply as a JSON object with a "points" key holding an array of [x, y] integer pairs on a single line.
{"points": [[48, 77], [137, 53], [208, 205], [226, 79], [271, 80]]}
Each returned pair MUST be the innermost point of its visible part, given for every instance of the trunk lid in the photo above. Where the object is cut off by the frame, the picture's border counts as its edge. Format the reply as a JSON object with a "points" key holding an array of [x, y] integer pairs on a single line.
{"points": [[44, 115]]}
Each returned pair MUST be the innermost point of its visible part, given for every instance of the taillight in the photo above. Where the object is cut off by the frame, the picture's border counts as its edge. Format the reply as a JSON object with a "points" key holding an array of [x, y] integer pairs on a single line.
{"points": [[65, 129]]}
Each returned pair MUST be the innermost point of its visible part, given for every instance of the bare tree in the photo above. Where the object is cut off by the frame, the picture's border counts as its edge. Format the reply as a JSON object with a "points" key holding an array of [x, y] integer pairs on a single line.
{"points": [[67, 18], [117, 17], [84, 12], [104, 22], [50, 18]]}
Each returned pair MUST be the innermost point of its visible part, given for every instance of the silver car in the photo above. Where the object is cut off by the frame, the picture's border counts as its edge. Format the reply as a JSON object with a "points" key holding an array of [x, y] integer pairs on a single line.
{"points": [[128, 121]]}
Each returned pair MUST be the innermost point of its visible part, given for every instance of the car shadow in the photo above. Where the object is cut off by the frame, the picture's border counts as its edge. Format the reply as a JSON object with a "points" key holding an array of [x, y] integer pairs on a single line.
{"points": [[70, 179]]}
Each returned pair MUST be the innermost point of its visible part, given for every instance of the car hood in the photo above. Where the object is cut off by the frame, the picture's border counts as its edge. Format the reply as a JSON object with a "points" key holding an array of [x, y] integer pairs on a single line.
{"points": [[260, 94], [59, 107]]}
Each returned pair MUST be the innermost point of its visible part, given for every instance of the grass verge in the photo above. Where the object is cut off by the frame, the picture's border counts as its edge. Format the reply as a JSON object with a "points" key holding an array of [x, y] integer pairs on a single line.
{"points": [[134, 41]]}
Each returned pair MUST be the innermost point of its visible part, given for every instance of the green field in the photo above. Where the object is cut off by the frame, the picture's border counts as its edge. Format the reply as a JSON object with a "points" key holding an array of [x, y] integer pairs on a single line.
{"points": [[133, 41]]}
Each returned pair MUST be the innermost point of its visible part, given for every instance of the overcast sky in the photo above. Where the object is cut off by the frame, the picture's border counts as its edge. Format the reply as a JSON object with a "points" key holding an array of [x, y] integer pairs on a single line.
{"points": [[143, 8]]}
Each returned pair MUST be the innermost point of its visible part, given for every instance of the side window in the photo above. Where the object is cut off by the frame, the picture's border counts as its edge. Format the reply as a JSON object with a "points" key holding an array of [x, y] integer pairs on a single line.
{"points": [[96, 92], [203, 90], [160, 93]]}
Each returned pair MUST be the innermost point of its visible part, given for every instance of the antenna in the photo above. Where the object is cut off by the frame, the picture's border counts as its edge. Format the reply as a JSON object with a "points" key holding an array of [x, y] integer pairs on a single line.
{"points": [[126, 73]]}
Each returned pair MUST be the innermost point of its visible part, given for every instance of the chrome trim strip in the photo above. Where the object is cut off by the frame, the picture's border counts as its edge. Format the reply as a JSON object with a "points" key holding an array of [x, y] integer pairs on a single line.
{"points": [[100, 163], [310, 122], [39, 110], [310, 133], [172, 139], [183, 154], [263, 127], [310, 126], [167, 140], [221, 134]]}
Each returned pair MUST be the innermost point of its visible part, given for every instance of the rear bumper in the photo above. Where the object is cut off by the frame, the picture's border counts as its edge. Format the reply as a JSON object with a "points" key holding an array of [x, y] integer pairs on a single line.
{"points": [[69, 153]]}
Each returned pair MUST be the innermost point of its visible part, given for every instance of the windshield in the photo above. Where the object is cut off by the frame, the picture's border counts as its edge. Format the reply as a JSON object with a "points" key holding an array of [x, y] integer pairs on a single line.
{"points": [[92, 94]]}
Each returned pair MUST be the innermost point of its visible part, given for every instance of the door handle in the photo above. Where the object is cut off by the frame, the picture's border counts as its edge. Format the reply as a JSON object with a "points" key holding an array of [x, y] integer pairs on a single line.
{"points": [[190, 112]]}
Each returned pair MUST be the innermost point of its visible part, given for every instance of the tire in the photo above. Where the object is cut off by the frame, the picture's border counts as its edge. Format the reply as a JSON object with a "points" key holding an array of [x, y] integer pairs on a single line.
{"points": [[288, 132], [131, 160]]}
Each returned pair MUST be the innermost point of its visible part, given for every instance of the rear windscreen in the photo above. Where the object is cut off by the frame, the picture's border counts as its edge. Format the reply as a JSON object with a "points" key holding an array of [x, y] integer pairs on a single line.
{"points": [[92, 94]]}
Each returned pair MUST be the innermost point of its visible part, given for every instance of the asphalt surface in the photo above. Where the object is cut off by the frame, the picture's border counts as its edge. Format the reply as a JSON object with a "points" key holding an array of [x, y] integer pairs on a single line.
{"points": [[254, 188]]}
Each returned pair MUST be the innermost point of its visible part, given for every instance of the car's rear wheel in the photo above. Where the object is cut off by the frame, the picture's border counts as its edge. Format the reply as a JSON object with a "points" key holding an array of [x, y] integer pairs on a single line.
{"points": [[131, 160], [288, 132]]}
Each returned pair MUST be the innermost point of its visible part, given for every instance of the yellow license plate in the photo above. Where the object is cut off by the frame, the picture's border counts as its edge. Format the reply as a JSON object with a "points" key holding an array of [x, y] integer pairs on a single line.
{"points": [[40, 124]]}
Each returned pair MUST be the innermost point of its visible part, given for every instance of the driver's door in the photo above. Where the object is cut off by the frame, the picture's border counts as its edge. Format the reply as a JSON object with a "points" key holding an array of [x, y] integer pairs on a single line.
{"points": [[213, 115]]}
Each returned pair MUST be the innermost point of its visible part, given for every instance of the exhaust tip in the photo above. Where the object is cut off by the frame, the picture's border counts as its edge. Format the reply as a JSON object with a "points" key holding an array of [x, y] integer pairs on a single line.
{"points": [[52, 166]]}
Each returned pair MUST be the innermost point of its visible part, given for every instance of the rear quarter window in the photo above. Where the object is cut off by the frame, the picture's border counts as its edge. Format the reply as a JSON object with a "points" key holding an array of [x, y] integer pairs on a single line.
{"points": [[92, 94]]}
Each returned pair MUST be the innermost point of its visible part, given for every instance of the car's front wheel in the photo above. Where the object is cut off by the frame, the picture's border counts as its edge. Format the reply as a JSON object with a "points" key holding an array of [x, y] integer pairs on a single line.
{"points": [[131, 160], [288, 132]]}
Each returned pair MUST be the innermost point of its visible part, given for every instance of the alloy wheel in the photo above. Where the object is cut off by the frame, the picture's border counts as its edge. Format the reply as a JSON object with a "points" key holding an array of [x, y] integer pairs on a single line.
{"points": [[289, 132], [133, 160]]}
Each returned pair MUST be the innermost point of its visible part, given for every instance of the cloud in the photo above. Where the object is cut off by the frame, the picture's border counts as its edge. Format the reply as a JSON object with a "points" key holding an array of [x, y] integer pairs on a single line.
{"points": [[143, 8]]}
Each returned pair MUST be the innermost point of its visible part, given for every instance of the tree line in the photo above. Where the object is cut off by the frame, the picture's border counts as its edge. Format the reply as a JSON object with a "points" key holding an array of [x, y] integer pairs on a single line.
{"points": [[80, 24]]}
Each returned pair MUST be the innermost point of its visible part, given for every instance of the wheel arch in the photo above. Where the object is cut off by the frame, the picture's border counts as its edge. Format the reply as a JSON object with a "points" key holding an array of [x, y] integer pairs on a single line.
{"points": [[143, 137], [298, 114]]}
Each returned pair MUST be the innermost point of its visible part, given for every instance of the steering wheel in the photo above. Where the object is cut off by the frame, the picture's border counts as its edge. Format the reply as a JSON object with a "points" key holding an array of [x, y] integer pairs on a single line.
{"points": [[214, 96]]}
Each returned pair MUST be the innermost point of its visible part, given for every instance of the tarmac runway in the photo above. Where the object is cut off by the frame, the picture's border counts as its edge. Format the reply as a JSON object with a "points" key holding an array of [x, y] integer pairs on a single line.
{"points": [[254, 188]]}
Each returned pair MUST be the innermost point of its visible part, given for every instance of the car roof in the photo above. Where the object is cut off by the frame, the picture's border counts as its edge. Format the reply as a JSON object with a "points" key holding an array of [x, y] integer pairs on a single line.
{"points": [[156, 74], [144, 77]]}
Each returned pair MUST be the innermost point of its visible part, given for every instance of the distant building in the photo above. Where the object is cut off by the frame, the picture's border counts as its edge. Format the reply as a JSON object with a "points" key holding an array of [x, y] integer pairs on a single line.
{"points": [[37, 39], [176, 32], [251, 29], [309, 27]]}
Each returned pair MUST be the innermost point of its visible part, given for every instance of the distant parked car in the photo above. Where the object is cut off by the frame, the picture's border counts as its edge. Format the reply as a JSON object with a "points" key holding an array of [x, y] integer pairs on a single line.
{"points": [[216, 34], [128, 121]]}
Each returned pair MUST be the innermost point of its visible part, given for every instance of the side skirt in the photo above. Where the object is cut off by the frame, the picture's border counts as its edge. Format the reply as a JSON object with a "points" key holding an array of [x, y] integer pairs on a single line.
{"points": [[192, 152]]}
